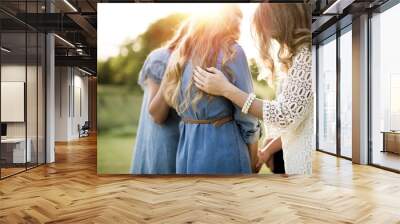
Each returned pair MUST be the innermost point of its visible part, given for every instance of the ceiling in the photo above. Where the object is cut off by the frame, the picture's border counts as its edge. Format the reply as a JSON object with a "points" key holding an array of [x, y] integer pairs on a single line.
{"points": [[73, 21], [332, 15]]}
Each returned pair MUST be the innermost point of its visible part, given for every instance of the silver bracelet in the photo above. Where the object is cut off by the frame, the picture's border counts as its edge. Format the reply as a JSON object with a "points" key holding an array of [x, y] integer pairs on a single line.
{"points": [[247, 104]]}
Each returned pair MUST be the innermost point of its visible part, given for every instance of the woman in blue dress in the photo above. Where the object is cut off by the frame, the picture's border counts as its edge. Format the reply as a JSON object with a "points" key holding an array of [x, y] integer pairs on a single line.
{"points": [[216, 138], [156, 144]]}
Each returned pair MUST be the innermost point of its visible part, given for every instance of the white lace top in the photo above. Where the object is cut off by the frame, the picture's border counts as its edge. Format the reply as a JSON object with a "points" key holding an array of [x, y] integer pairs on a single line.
{"points": [[291, 115]]}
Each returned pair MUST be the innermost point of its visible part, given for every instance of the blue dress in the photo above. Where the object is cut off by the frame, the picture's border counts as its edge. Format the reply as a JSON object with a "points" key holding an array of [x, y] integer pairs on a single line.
{"points": [[156, 145], [209, 149]]}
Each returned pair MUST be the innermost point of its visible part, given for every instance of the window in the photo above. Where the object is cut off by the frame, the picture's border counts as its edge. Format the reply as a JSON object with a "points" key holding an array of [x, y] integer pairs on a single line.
{"points": [[385, 89], [346, 93], [22, 87], [327, 96]]}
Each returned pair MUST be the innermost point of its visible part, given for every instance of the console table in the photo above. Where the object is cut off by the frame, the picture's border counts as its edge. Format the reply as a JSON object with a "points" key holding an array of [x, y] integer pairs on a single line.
{"points": [[391, 141]]}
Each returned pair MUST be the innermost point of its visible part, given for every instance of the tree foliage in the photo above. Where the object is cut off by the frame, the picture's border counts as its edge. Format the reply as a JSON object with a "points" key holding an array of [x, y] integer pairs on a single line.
{"points": [[124, 68]]}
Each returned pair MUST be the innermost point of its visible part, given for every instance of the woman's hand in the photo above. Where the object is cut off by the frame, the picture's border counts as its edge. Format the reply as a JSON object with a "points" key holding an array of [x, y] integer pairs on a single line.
{"points": [[211, 81], [264, 156]]}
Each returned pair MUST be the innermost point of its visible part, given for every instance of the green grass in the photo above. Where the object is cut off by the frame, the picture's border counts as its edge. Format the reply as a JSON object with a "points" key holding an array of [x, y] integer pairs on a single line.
{"points": [[114, 154], [118, 118], [119, 109]]}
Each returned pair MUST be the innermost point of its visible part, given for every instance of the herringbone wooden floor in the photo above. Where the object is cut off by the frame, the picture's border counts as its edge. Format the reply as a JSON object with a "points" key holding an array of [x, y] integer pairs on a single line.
{"points": [[70, 191]]}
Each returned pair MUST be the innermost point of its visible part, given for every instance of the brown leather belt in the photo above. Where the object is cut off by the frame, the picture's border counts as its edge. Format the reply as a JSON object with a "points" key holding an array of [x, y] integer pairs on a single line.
{"points": [[216, 122]]}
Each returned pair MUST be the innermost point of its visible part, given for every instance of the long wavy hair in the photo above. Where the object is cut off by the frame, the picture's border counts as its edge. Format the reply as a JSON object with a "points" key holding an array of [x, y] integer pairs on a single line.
{"points": [[289, 24], [207, 36], [179, 35]]}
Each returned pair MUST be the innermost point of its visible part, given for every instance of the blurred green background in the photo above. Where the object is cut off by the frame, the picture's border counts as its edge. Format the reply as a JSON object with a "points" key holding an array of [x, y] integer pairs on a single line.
{"points": [[119, 97]]}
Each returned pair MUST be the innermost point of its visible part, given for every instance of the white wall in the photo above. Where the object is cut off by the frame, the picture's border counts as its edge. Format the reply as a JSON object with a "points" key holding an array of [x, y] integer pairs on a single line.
{"points": [[80, 110], [33, 126], [16, 73], [12, 73], [71, 87], [13, 100], [62, 81]]}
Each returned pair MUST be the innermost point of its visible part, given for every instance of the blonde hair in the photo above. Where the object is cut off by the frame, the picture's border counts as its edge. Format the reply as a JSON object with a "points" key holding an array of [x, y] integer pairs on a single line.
{"points": [[207, 37], [287, 23], [179, 34]]}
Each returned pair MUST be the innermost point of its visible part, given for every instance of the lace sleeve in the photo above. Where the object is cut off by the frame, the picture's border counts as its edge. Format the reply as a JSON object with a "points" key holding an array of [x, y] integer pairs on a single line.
{"points": [[296, 97]]}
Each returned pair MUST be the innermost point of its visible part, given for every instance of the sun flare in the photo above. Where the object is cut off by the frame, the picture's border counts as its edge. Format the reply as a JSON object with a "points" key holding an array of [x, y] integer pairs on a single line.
{"points": [[111, 37]]}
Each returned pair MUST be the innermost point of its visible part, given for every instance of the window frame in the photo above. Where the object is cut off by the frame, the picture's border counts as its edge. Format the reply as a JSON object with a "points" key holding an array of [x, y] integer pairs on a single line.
{"points": [[333, 37], [380, 9]]}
